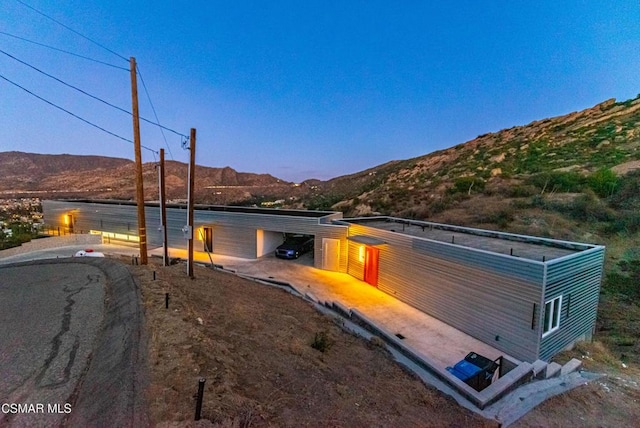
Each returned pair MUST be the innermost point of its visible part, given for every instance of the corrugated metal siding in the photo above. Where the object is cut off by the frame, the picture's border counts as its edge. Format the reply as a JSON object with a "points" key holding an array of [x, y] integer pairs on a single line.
{"points": [[88, 216], [123, 219], [52, 212], [577, 279], [176, 220], [476, 292], [280, 223], [355, 267], [500, 264], [234, 241]]}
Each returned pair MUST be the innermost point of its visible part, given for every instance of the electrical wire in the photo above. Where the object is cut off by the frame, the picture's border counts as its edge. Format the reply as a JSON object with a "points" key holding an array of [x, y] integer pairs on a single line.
{"points": [[72, 30], [63, 51], [73, 114], [91, 96], [154, 112]]}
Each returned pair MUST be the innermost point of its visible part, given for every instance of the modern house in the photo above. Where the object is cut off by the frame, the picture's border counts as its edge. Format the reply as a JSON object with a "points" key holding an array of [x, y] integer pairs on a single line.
{"points": [[526, 296]]}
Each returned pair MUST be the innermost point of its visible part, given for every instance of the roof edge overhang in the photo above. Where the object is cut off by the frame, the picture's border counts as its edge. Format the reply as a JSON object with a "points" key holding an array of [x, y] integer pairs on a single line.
{"points": [[366, 240]]}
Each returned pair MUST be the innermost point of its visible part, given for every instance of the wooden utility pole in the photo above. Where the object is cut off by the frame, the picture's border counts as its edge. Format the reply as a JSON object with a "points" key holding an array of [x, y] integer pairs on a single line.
{"points": [[190, 191], [163, 211], [142, 226]]}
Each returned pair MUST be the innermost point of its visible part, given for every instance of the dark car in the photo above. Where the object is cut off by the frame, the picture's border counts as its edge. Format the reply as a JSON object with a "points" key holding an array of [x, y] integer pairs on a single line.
{"points": [[294, 246]]}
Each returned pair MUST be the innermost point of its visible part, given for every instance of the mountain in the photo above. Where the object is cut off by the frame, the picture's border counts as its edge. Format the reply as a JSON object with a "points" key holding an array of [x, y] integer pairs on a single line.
{"points": [[555, 154], [606, 136], [98, 177]]}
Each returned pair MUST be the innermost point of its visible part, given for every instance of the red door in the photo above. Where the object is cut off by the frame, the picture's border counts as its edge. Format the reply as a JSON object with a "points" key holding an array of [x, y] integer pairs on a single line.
{"points": [[371, 266]]}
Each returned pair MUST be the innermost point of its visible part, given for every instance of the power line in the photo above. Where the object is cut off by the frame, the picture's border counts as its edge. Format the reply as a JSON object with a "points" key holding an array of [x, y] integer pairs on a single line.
{"points": [[63, 51], [90, 95], [72, 30], [72, 114], [154, 112]]}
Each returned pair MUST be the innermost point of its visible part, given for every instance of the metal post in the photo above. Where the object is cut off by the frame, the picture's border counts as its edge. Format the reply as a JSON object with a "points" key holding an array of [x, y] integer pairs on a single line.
{"points": [[190, 197], [199, 400], [163, 211]]}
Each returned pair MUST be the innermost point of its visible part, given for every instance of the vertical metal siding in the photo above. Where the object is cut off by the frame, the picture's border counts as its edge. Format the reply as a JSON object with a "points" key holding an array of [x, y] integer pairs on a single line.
{"points": [[476, 292], [116, 218], [52, 212], [235, 241], [578, 276], [281, 223], [355, 267]]}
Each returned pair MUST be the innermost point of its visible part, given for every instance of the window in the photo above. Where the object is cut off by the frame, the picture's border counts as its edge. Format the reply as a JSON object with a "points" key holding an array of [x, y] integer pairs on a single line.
{"points": [[551, 315]]}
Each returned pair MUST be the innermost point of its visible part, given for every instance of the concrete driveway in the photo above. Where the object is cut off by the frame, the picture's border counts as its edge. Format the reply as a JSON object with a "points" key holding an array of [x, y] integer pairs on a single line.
{"points": [[71, 344]]}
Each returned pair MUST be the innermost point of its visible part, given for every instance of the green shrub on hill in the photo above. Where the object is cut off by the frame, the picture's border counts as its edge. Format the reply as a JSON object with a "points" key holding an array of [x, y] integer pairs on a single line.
{"points": [[603, 182], [624, 281], [467, 185], [556, 181], [627, 195]]}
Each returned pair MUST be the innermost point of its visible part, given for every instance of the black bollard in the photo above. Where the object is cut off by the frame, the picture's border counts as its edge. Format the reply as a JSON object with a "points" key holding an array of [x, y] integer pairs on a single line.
{"points": [[200, 394], [166, 300], [154, 275]]}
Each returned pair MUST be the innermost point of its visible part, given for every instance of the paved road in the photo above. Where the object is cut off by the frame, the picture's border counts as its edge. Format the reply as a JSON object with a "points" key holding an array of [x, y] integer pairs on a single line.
{"points": [[72, 345], [49, 318]]}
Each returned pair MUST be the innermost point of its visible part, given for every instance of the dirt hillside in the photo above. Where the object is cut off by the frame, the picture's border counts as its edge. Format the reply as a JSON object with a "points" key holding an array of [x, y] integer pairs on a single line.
{"points": [[253, 344]]}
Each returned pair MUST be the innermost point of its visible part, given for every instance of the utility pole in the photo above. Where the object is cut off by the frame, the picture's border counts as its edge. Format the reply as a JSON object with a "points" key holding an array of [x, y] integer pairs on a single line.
{"points": [[192, 170], [163, 211], [142, 226]]}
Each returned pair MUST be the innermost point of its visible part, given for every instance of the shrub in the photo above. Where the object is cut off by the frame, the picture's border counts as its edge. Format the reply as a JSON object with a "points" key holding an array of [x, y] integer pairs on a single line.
{"points": [[603, 182], [628, 222], [520, 191], [628, 192], [467, 185], [321, 341], [501, 217], [568, 182], [587, 208], [624, 283]]}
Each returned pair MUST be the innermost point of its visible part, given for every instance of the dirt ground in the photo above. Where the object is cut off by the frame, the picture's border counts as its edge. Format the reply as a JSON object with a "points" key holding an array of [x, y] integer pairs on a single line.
{"points": [[253, 345]]}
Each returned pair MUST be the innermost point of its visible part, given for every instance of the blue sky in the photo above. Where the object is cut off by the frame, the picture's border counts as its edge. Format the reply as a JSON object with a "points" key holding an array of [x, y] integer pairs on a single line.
{"points": [[309, 89]]}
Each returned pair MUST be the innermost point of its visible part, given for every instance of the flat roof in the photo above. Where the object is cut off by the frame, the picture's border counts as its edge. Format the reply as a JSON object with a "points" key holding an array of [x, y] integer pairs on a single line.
{"points": [[529, 247], [224, 208]]}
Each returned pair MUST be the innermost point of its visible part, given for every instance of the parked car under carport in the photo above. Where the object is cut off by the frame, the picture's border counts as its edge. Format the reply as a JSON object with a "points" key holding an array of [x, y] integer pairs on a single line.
{"points": [[294, 246]]}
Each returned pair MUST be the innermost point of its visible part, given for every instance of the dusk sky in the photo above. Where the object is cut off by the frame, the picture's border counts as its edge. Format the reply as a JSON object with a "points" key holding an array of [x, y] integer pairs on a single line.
{"points": [[307, 89]]}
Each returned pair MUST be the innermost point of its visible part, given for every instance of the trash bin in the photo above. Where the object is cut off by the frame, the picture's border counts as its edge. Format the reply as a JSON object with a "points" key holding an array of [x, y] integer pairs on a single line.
{"points": [[475, 370], [487, 366], [464, 370]]}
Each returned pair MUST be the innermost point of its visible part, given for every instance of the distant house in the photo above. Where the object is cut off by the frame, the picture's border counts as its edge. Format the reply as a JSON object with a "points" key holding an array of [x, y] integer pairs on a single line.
{"points": [[526, 296]]}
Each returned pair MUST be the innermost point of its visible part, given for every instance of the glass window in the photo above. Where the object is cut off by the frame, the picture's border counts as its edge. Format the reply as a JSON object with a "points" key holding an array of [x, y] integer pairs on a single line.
{"points": [[551, 315]]}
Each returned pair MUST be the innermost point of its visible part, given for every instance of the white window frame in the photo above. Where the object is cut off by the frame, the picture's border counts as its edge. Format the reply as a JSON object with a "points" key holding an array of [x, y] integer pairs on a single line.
{"points": [[551, 322]]}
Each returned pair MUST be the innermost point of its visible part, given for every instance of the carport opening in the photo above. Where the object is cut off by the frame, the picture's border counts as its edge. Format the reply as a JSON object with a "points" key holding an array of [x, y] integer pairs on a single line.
{"points": [[294, 246]]}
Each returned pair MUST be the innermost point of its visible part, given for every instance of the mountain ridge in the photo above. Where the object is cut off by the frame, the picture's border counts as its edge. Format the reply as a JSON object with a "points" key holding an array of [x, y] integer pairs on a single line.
{"points": [[64, 175], [603, 136]]}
